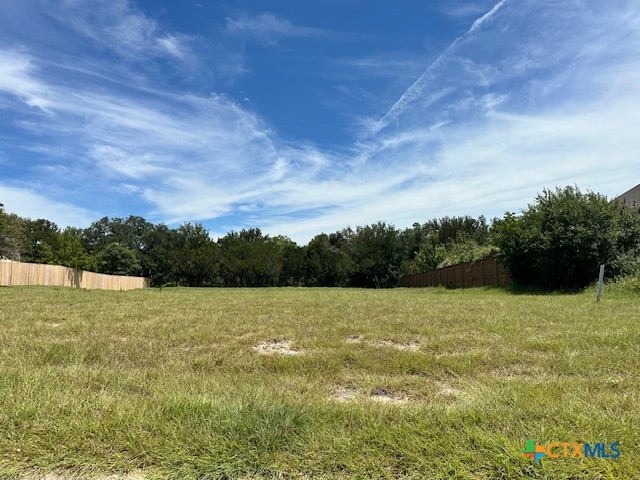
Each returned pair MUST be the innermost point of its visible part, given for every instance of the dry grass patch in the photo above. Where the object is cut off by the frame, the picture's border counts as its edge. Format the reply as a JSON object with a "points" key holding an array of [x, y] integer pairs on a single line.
{"points": [[354, 339], [448, 390], [405, 383], [403, 346], [134, 475], [276, 347], [382, 395], [385, 396], [345, 394]]}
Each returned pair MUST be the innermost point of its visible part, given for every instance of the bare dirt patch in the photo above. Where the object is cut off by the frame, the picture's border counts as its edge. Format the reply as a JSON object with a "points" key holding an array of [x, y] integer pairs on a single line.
{"points": [[128, 476], [354, 339], [345, 394], [520, 372], [385, 396], [461, 353], [135, 475], [276, 347], [448, 390], [405, 346]]}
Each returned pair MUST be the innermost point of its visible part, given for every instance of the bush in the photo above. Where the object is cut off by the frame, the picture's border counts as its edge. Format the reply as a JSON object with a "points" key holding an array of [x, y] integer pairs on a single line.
{"points": [[627, 264], [630, 284], [118, 260], [12, 235], [560, 241]]}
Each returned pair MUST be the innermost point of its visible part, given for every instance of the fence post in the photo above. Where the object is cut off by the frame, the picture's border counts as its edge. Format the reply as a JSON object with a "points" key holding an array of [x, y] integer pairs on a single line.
{"points": [[600, 279]]}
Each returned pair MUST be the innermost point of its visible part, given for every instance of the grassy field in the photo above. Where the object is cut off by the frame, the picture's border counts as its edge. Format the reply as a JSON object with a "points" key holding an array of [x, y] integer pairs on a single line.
{"points": [[337, 383]]}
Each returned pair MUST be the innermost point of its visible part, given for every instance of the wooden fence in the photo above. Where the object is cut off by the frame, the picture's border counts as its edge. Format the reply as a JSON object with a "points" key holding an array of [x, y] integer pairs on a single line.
{"points": [[19, 273], [488, 271]]}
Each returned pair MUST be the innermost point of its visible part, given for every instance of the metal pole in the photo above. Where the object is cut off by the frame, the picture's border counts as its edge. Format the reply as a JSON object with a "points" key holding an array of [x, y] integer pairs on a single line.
{"points": [[600, 279]]}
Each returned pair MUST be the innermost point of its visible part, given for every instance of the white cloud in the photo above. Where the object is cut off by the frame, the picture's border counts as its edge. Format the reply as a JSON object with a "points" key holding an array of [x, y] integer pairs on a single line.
{"points": [[498, 167], [480, 132], [16, 79], [269, 28], [173, 46], [486, 17], [118, 26], [29, 203], [429, 77], [464, 10], [116, 161], [180, 148]]}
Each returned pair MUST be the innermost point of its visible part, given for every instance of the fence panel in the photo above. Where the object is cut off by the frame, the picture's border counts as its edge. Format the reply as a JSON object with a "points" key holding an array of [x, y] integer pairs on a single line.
{"points": [[20, 273], [488, 271]]}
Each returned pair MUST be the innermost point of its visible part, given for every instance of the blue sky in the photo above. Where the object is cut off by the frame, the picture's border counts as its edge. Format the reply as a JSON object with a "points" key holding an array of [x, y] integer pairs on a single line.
{"points": [[303, 117]]}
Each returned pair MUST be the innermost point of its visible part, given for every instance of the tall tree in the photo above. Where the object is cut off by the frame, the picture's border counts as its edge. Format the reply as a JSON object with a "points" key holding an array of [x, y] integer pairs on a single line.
{"points": [[156, 260], [72, 251], [560, 240], [116, 259], [41, 241], [251, 259], [11, 235], [194, 258], [327, 264], [376, 255]]}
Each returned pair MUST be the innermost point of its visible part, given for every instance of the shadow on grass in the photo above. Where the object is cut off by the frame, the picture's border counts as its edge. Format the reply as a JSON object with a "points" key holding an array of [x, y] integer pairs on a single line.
{"points": [[511, 289], [514, 289]]}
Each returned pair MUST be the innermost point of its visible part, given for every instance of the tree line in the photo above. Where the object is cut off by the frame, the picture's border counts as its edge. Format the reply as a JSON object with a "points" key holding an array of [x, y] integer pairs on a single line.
{"points": [[370, 256], [557, 243]]}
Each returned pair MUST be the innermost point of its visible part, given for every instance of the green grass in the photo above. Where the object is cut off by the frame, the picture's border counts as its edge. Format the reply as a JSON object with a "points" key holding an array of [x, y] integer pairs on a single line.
{"points": [[166, 382]]}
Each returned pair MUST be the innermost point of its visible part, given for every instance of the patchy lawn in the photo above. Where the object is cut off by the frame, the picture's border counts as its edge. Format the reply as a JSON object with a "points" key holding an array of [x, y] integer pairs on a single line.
{"points": [[337, 383]]}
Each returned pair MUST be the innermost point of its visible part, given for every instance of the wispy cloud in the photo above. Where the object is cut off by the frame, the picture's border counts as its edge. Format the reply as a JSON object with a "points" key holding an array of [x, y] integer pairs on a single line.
{"points": [[269, 28], [481, 130], [117, 26], [486, 17], [28, 203], [463, 10], [428, 77], [192, 157], [15, 79], [173, 45]]}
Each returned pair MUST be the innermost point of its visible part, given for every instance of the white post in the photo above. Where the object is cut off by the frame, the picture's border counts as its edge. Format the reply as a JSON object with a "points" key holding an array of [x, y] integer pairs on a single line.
{"points": [[600, 279]]}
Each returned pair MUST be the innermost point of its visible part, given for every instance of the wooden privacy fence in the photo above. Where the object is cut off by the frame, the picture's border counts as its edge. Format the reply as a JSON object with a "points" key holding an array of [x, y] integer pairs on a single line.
{"points": [[488, 271], [20, 273]]}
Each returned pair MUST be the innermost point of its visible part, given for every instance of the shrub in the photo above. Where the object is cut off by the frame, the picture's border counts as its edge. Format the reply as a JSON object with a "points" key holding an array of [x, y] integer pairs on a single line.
{"points": [[116, 259], [560, 241], [624, 286]]}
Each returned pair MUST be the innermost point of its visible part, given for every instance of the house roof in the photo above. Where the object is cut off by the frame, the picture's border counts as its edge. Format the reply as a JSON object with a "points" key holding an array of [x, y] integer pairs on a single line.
{"points": [[631, 197]]}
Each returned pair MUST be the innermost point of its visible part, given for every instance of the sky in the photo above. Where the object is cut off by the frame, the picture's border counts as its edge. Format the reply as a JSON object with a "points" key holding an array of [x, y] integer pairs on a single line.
{"points": [[302, 117]]}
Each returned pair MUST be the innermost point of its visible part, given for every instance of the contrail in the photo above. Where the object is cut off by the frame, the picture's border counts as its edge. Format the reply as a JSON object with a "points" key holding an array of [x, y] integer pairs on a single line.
{"points": [[415, 90]]}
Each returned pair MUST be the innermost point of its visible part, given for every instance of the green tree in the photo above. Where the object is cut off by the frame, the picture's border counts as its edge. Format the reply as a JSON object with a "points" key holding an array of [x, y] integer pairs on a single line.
{"points": [[461, 229], [194, 258], [156, 259], [117, 259], [445, 241], [561, 239], [41, 241], [151, 243], [11, 235], [72, 251], [376, 254], [327, 261], [251, 259], [284, 260], [293, 265]]}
